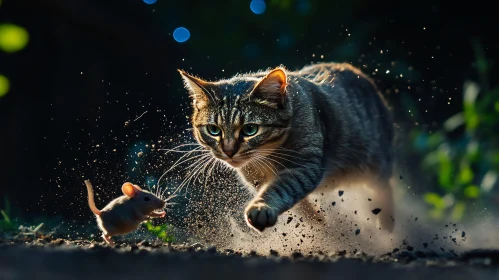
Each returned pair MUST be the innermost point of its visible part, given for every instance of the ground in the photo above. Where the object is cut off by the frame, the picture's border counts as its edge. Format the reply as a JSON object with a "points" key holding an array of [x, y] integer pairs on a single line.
{"points": [[56, 258]]}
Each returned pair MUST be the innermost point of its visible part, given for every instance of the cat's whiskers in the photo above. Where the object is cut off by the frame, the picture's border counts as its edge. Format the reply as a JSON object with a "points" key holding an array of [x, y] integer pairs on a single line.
{"points": [[260, 159], [213, 165], [194, 172], [255, 161], [282, 151], [187, 179], [206, 165], [264, 160], [199, 164], [276, 161], [199, 149], [196, 162], [181, 160], [282, 158], [277, 155], [176, 149]]}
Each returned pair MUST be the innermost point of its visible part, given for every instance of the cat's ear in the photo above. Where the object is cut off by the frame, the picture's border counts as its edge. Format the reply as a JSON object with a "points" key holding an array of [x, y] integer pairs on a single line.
{"points": [[272, 88], [197, 89]]}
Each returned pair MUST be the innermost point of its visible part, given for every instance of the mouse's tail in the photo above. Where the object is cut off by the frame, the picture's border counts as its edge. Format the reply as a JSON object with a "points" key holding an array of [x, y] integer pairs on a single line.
{"points": [[91, 202]]}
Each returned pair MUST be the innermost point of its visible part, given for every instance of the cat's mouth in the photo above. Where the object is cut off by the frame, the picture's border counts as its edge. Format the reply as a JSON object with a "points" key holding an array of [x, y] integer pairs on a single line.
{"points": [[235, 162]]}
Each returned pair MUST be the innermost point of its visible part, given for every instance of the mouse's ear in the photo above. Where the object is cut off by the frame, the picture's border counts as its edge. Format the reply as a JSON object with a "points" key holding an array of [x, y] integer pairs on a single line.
{"points": [[128, 189], [137, 187]]}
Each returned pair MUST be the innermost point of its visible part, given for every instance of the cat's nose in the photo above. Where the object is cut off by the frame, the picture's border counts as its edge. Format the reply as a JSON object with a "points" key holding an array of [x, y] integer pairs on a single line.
{"points": [[228, 152]]}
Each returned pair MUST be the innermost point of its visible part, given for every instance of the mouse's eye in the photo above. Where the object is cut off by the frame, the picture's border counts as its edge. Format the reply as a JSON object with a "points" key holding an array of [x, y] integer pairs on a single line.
{"points": [[147, 198]]}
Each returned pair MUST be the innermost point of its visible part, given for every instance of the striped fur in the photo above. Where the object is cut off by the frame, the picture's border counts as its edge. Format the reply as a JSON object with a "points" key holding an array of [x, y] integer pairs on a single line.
{"points": [[323, 124]]}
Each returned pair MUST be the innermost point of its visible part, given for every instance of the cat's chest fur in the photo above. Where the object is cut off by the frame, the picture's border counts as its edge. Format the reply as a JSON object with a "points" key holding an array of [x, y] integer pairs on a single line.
{"points": [[257, 174]]}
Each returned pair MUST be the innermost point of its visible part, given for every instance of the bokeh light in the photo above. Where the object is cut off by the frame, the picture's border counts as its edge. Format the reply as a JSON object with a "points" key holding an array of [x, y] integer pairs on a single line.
{"points": [[285, 40], [181, 34], [147, 1], [252, 50], [4, 85], [304, 7], [13, 38], [257, 6]]}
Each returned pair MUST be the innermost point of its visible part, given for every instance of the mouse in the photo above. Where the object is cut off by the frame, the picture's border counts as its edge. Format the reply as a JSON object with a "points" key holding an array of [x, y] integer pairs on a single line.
{"points": [[124, 214]]}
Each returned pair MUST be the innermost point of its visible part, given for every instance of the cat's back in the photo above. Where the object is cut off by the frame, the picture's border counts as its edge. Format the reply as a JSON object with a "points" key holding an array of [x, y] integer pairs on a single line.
{"points": [[324, 73], [352, 104]]}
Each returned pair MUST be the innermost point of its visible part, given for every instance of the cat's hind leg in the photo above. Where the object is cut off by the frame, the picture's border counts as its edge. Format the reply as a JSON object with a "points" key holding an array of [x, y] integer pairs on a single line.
{"points": [[383, 203]]}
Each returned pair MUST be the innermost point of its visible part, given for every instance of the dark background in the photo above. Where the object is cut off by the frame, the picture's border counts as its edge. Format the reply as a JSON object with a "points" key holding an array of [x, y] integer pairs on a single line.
{"points": [[90, 66]]}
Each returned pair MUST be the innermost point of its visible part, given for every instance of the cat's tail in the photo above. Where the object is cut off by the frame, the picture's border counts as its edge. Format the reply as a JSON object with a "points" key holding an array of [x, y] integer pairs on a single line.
{"points": [[91, 202]]}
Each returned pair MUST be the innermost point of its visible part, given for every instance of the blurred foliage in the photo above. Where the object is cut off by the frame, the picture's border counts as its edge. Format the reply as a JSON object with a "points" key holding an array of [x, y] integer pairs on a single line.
{"points": [[13, 38], [7, 224], [464, 167], [4, 85], [162, 231]]}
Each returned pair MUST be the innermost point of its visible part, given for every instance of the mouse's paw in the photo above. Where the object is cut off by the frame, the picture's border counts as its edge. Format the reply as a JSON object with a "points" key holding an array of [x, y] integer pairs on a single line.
{"points": [[108, 239], [260, 215]]}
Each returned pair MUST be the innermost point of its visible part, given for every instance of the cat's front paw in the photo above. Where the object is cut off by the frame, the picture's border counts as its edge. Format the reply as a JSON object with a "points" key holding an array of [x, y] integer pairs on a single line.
{"points": [[260, 216]]}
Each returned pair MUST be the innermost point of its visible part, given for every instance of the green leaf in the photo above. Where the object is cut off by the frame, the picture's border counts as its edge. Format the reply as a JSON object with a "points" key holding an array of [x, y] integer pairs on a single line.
{"points": [[496, 106], [458, 211], [488, 181], [465, 175], [430, 160], [4, 85], [6, 217], [454, 122], [473, 151], [435, 139], [472, 121], [471, 90], [471, 118], [160, 231], [436, 213], [435, 200], [472, 191], [445, 169]]}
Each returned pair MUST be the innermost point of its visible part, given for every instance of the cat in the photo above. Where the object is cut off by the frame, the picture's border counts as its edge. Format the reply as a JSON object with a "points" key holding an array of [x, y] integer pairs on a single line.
{"points": [[290, 133]]}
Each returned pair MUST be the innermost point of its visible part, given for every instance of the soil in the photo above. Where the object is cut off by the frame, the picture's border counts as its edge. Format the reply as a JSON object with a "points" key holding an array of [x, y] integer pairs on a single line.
{"points": [[46, 257]]}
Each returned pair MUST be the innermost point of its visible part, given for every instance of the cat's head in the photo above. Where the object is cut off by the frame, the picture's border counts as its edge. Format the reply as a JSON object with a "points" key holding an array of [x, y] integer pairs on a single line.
{"points": [[241, 118]]}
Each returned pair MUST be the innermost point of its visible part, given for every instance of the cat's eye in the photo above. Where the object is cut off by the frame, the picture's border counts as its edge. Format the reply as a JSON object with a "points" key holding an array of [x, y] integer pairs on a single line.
{"points": [[147, 198], [213, 130], [250, 129]]}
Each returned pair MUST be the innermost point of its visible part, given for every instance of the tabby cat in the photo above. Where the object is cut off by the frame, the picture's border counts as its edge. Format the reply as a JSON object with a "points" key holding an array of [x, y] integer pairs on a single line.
{"points": [[289, 133]]}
